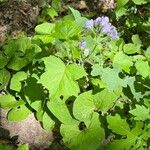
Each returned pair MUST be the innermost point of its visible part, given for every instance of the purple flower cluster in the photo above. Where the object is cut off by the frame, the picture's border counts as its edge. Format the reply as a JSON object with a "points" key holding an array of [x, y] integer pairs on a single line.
{"points": [[104, 25]]}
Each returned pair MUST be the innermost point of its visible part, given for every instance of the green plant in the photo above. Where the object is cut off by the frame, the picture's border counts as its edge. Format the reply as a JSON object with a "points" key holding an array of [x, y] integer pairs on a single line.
{"points": [[81, 75], [133, 17], [50, 9]]}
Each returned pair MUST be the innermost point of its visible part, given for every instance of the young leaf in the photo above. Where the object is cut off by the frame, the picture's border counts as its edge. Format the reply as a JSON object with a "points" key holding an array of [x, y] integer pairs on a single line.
{"points": [[60, 79], [56, 4], [131, 48], [18, 113], [67, 29], [122, 61], [51, 12], [44, 28], [75, 13], [141, 113], [136, 39], [89, 138], [121, 3], [143, 68], [120, 12], [8, 101], [118, 125], [16, 80], [44, 38], [77, 16]]}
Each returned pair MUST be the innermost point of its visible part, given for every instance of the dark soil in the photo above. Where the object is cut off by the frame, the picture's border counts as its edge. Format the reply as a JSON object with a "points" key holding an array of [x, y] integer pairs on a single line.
{"points": [[17, 16]]}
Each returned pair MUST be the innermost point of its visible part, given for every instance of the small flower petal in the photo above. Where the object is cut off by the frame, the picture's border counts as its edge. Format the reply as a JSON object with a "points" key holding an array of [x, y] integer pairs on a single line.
{"points": [[89, 24], [114, 33]]}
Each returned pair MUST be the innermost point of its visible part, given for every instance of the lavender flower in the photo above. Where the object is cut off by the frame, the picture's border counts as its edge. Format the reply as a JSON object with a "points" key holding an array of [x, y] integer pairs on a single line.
{"points": [[104, 20], [102, 24], [114, 33], [106, 28], [97, 21], [89, 24], [82, 45]]}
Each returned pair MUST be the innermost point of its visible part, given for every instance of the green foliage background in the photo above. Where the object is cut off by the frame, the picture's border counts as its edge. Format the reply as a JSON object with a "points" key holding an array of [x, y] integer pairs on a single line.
{"points": [[100, 100]]}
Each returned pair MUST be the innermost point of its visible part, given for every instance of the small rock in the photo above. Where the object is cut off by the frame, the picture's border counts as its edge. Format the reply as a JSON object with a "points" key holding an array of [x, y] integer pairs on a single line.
{"points": [[28, 131]]}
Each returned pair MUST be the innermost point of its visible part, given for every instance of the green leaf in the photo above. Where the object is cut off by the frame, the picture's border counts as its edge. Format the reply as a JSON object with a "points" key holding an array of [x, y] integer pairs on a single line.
{"points": [[75, 13], [60, 111], [143, 68], [17, 63], [66, 29], [15, 83], [78, 18], [86, 103], [4, 78], [23, 147], [47, 122], [37, 105], [8, 101], [51, 12], [56, 4], [131, 83], [147, 53], [76, 71], [84, 106], [18, 113], [44, 38], [105, 99], [147, 102], [122, 61], [120, 12], [121, 3], [131, 48], [45, 28], [118, 125], [140, 2], [3, 60], [89, 138], [60, 79], [141, 113], [136, 39], [110, 77], [17, 45]]}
